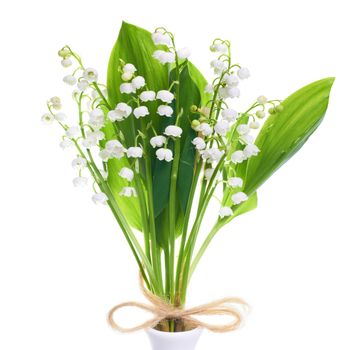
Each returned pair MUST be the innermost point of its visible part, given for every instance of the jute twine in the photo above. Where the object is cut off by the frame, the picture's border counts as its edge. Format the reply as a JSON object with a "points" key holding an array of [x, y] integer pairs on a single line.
{"points": [[162, 310]]}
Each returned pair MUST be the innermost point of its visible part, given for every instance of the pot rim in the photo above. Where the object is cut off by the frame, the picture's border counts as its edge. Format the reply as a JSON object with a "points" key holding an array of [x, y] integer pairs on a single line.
{"points": [[174, 334]]}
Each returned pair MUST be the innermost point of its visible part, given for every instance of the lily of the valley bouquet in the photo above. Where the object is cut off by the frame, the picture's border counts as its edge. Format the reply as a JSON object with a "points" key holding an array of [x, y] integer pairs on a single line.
{"points": [[158, 142]]}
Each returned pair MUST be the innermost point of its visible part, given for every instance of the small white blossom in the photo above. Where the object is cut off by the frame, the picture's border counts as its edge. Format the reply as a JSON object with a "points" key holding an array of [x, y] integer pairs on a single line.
{"points": [[246, 139], [104, 154], [83, 84], [114, 149], [243, 73], [164, 154], [157, 141], [146, 96], [212, 155], [232, 92], [165, 110], [129, 68], [262, 99], [260, 114], [66, 62], [239, 197], [126, 76], [128, 192], [199, 143], [70, 79], [225, 211], [205, 129], [80, 181], [165, 96], [231, 79], [92, 138], [238, 157], [140, 112], [100, 198], [121, 111], [126, 174], [96, 118], [127, 88], [134, 152], [218, 66], [218, 48], [73, 131], [47, 119], [66, 143], [222, 127], [208, 173], [90, 74], [251, 150], [60, 117], [209, 89], [229, 114], [56, 103], [164, 57], [173, 130], [254, 125], [183, 53], [138, 82], [243, 129], [79, 163], [161, 39], [235, 182]]}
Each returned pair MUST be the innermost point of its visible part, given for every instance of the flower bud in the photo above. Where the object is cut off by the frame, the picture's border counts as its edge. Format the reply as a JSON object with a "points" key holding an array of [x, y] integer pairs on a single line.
{"points": [[279, 108], [195, 123], [260, 114], [272, 110], [194, 109], [64, 53]]}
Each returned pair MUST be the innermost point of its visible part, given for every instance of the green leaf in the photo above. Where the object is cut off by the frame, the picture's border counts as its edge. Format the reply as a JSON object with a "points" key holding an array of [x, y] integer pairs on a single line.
{"points": [[285, 132]]}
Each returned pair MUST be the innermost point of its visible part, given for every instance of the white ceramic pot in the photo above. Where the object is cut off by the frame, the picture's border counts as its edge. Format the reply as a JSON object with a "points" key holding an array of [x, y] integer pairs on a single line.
{"points": [[174, 341]]}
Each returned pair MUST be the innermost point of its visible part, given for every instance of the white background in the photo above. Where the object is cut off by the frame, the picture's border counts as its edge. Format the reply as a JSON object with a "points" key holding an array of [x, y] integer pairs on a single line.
{"points": [[63, 261]]}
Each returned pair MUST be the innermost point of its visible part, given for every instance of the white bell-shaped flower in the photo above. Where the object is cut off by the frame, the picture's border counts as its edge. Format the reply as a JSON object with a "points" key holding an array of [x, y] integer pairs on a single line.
{"points": [[73, 132], [183, 53], [66, 62], [235, 182], [100, 198], [165, 96], [164, 154], [134, 152], [222, 127], [80, 181], [146, 96], [243, 73], [243, 129], [47, 119], [138, 82], [157, 141], [90, 74], [229, 114], [251, 150], [212, 155], [114, 148], [129, 68], [79, 163], [66, 143], [161, 38], [127, 88], [140, 112], [164, 57], [128, 192], [205, 129], [239, 197], [70, 79], [97, 118], [126, 174], [238, 157], [225, 211], [121, 112], [173, 130], [164, 110], [199, 143]]}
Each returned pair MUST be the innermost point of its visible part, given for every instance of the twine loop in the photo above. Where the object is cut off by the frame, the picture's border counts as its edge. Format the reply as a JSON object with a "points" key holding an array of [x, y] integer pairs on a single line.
{"points": [[230, 306]]}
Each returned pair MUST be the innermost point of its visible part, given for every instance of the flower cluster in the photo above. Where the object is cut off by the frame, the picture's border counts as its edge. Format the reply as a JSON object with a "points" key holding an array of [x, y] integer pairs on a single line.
{"points": [[224, 137]]}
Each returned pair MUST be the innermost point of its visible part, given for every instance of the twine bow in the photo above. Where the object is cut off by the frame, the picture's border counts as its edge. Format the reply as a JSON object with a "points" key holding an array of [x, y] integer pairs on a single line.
{"points": [[162, 310]]}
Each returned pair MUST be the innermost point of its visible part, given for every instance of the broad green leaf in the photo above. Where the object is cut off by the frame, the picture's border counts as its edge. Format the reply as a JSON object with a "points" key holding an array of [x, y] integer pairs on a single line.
{"points": [[134, 45], [285, 132]]}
